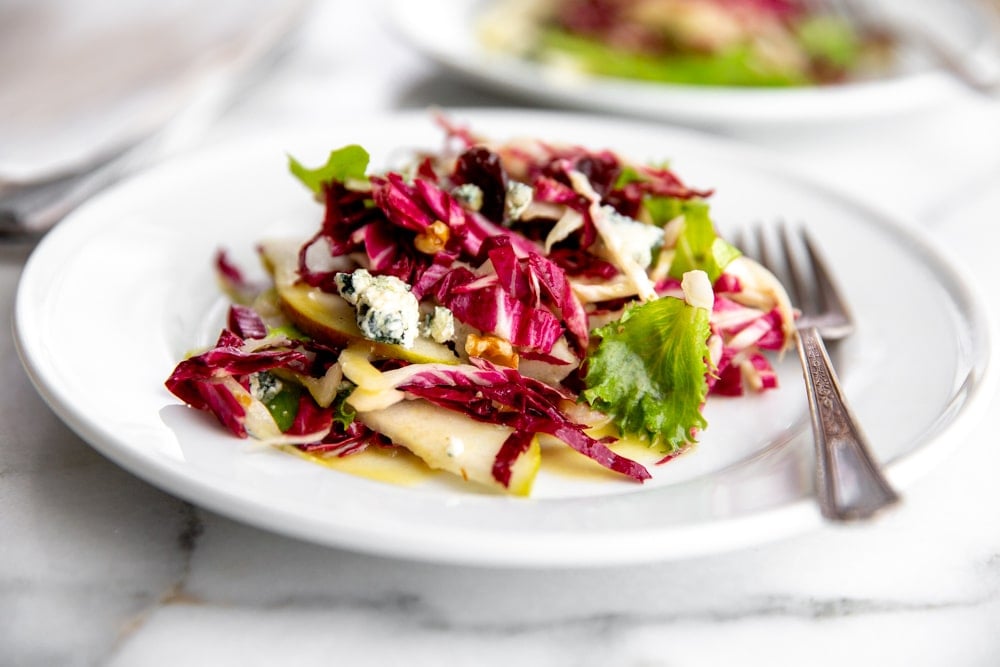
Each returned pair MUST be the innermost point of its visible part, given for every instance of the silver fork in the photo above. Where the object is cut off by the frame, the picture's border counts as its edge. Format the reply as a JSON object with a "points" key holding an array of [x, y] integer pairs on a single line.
{"points": [[849, 482]]}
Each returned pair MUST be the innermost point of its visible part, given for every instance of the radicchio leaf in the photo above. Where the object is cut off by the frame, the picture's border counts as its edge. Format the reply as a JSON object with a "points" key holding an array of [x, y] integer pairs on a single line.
{"points": [[245, 322], [488, 393], [196, 379], [490, 308]]}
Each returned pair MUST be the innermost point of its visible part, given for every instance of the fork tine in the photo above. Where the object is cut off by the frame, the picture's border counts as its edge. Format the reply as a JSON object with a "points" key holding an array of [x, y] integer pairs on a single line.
{"points": [[778, 264], [739, 239], [828, 293], [798, 282], [763, 250]]}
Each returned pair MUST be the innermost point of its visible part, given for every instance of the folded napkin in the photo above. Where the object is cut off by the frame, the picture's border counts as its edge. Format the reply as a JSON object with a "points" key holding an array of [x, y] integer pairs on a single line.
{"points": [[80, 81]]}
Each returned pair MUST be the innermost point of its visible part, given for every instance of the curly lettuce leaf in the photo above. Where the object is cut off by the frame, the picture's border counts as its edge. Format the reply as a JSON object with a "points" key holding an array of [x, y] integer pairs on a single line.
{"points": [[649, 372], [699, 247], [347, 163]]}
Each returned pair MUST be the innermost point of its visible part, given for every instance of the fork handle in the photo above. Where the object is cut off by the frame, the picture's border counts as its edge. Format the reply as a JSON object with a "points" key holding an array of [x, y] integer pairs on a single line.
{"points": [[849, 482]]}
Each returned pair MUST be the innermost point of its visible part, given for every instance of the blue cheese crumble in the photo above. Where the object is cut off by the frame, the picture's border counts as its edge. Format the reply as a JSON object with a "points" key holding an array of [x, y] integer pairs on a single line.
{"points": [[517, 200], [634, 239], [469, 195], [387, 312], [265, 386], [439, 326]]}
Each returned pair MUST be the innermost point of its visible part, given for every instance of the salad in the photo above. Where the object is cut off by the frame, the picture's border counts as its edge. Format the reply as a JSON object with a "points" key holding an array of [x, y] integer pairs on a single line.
{"points": [[484, 300], [711, 42]]}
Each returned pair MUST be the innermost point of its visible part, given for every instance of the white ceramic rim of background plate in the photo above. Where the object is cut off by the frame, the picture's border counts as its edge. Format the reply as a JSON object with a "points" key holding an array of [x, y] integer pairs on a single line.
{"points": [[98, 348], [445, 31]]}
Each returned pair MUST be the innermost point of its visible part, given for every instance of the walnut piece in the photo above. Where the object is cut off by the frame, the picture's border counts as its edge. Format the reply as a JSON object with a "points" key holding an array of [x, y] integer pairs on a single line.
{"points": [[433, 239], [492, 348]]}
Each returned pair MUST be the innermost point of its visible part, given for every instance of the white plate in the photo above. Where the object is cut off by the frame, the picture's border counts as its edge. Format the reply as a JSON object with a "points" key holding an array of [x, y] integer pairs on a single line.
{"points": [[445, 30], [115, 295]]}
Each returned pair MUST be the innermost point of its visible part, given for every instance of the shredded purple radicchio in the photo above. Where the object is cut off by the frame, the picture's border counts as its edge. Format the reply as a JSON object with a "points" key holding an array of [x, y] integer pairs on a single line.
{"points": [[489, 393]]}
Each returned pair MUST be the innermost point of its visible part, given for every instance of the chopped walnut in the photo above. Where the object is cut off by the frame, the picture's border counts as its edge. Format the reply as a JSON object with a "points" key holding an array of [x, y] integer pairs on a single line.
{"points": [[492, 348], [432, 239]]}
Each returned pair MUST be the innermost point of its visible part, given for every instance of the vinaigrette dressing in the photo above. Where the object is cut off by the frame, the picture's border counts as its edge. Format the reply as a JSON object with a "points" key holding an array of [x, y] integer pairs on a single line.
{"points": [[396, 465], [393, 465], [562, 460]]}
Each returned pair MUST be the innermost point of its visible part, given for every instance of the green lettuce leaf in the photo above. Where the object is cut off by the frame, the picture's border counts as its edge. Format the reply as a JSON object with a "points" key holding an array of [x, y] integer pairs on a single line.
{"points": [[699, 247], [648, 372], [288, 331], [343, 412], [831, 39], [280, 398], [663, 209], [628, 175], [736, 66], [349, 162]]}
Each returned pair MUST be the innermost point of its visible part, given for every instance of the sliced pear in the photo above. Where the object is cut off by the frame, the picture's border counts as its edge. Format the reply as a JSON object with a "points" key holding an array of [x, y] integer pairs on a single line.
{"points": [[450, 441], [328, 317]]}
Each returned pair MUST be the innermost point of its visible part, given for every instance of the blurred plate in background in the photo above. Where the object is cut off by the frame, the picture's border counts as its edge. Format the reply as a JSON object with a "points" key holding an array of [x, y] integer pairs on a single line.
{"points": [[448, 32]]}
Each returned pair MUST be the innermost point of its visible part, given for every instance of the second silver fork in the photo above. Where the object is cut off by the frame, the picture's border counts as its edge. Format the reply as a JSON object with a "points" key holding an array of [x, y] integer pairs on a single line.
{"points": [[975, 65], [850, 484]]}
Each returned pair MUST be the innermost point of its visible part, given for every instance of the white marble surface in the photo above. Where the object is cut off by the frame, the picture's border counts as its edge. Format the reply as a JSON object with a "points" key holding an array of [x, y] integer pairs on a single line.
{"points": [[99, 568]]}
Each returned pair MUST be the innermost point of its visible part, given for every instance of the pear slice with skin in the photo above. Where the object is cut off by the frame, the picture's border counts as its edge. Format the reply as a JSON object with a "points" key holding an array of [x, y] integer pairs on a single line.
{"points": [[448, 440], [328, 317]]}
